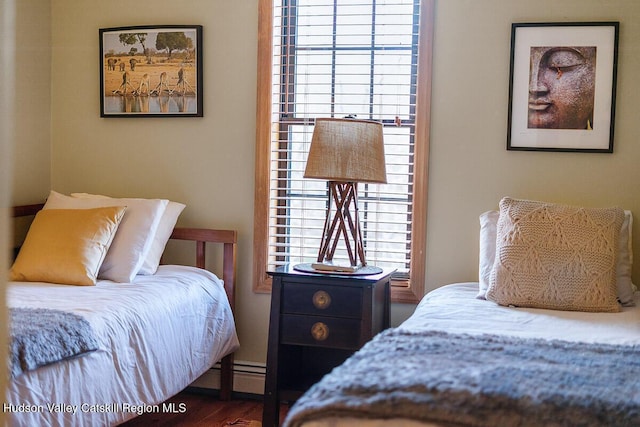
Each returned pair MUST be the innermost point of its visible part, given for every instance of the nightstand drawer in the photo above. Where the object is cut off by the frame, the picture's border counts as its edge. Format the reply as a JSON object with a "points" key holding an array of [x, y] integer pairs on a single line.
{"points": [[303, 298], [321, 331]]}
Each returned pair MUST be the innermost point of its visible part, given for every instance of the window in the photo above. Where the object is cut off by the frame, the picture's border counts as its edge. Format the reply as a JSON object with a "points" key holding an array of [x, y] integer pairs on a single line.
{"points": [[368, 59]]}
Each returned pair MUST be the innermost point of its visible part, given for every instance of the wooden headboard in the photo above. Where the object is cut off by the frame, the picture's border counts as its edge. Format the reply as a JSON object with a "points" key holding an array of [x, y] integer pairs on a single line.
{"points": [[201, 236]]}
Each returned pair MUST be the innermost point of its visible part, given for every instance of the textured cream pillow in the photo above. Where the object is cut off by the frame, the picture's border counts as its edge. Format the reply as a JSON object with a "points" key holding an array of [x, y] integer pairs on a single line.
{"points": [[556, 256], [487, 255], [133, 241], [67, 246]]}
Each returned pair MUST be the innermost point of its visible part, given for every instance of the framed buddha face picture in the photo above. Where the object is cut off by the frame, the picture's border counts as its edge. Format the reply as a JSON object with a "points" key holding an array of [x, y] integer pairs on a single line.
{"points": [[562, 86]]}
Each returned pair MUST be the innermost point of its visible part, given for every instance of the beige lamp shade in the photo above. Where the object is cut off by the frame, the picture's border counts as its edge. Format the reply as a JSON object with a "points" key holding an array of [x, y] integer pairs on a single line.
{"points": [[347, 150]]}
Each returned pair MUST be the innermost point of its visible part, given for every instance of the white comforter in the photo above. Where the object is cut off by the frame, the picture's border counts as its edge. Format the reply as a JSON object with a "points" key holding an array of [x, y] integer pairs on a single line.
{"points": [[454, 308], [155, 337]]}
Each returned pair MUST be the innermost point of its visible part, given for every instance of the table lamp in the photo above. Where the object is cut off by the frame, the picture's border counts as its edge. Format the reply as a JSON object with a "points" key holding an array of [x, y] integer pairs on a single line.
{"points": [[345, 152]]}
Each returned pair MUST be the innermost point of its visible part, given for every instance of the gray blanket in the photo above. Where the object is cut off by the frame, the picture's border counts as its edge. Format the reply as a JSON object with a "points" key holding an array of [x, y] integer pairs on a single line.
{"points": [[42, 336], [457, 379]]}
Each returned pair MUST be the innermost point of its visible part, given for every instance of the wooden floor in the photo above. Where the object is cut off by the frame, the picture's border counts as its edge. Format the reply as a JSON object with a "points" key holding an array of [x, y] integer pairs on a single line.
{"points": [[193, 409]]}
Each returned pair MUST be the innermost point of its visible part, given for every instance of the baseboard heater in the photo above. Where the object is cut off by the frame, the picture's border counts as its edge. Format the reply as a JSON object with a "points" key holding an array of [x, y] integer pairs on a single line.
{"points": [[248, 377]]}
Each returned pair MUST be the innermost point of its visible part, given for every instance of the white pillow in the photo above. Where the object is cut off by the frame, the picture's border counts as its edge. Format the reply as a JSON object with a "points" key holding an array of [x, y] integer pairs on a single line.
{"points": [[167, 223], [165, 228], [625, 288], [488, 230], [135, 234]]}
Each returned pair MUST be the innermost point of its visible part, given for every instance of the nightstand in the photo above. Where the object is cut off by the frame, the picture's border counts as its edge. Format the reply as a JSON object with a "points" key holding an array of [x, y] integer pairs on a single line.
{"points": [[316, 322]]}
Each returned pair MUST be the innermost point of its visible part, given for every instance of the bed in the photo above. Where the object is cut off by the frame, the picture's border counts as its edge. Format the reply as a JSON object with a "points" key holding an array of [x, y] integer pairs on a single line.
{"points": [[513, 349], [127, 344]]}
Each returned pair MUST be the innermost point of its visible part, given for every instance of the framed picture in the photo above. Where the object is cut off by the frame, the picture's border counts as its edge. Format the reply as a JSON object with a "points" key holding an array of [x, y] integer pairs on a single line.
{"points": [[151, 71], [562, 87]]}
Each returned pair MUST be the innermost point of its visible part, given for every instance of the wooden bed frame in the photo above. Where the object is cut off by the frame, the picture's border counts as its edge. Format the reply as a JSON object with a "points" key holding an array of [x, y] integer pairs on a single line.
{"points": [[201, 236]]}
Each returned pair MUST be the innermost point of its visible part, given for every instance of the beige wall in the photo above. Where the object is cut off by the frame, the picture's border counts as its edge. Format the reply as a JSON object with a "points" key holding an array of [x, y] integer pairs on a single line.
{"points": [[207, 162], [32, 106], [470, 168], [7, 57]]}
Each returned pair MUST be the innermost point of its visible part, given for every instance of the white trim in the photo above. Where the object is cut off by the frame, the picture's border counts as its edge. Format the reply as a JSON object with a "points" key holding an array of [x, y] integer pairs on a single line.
{"points": [[248, 377]]}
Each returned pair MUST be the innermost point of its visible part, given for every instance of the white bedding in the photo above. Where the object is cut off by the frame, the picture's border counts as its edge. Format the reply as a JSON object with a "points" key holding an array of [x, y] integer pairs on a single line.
{"points": [[155, 336], [454, 308]]}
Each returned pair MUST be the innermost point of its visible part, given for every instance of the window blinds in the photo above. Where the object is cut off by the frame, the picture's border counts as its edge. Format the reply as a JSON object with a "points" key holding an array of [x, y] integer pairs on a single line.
{"points": [[342, 58]]}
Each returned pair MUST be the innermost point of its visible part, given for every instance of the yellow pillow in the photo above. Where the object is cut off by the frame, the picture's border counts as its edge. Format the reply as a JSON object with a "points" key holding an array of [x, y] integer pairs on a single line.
{"points": [[67, 246]]}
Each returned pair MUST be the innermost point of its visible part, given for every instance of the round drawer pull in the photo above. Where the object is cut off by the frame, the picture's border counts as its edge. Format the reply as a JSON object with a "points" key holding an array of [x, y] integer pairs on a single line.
{"points": [[321, 300], [320, 331]]}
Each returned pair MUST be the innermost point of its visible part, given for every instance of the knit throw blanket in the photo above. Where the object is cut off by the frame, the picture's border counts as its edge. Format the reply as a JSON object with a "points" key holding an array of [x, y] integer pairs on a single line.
{"points": [[42, 336], [488, 380]]}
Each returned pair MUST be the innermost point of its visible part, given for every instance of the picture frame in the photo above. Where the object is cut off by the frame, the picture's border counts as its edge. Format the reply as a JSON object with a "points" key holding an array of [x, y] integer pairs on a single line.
{"points": [[151, 71], [562, 86]]}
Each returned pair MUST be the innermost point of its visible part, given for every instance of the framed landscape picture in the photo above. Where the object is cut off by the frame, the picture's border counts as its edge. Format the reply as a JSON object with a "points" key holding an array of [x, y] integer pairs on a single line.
{"points": [[151, 71], [562, 86]]}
